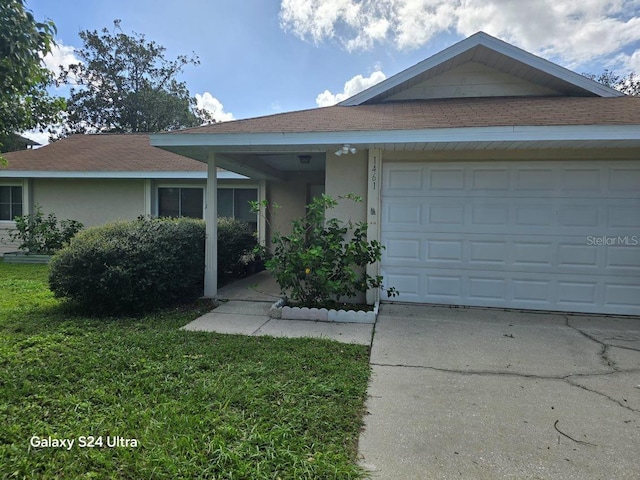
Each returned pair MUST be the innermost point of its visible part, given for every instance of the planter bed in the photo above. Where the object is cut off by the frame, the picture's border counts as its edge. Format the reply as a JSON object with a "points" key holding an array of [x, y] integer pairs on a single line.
{"points": [[281, 310], [21, 257]]}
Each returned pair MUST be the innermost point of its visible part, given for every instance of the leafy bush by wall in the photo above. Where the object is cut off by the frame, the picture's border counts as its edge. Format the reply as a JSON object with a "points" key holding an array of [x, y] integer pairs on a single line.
{"points": [[131, 267], [323, 261], [236, 242], [40, 235]]}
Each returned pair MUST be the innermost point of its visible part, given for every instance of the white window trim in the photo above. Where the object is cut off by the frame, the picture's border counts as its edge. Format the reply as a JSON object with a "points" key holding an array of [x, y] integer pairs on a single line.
{"points": [[25, 204]]}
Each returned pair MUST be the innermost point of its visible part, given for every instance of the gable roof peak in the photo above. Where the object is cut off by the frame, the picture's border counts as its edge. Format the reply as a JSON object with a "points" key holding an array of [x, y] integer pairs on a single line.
{"points": [[492, 52]]}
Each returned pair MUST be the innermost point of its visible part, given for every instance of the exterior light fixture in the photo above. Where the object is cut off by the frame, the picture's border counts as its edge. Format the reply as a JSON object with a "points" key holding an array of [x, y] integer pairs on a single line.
{"points": [[346, 149]]}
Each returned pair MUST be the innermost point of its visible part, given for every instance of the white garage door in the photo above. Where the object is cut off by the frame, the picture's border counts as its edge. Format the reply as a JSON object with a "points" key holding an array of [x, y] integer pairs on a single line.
{"points": [[535, 235]]}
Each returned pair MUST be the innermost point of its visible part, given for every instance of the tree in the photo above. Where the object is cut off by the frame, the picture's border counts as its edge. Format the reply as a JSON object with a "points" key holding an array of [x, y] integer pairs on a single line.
{"points": [[629, 85], [24, 101], [125, 84]]}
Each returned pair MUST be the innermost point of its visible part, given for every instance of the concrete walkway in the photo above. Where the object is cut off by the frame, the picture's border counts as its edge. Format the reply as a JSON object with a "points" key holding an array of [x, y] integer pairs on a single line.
{"points": [[486, 394], [246, 312], [252, 318]]}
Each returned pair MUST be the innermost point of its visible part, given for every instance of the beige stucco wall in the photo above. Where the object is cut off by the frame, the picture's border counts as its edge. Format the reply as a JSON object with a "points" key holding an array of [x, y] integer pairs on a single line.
{"points": [[91, 201], [291, 196], [347, 174]]}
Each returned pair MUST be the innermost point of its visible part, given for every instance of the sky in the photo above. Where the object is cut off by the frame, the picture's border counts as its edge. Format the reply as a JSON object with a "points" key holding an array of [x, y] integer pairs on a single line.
{"points": [[260, 57]]}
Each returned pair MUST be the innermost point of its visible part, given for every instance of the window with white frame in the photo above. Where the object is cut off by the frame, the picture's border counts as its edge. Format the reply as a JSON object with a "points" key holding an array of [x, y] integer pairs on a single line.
{"points": [[10, 202], [234, 203], [181, 202], [178, 201]]}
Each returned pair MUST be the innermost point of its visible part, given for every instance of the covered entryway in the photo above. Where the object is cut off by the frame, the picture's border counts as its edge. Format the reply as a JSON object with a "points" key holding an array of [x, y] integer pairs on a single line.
{"points": [[545, 235]]}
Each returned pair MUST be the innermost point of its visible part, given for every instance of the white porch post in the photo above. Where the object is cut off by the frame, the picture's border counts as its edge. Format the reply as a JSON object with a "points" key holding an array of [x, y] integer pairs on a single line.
{"points": [[373, 213], [211, 220], [147, 197], [262, 220]]}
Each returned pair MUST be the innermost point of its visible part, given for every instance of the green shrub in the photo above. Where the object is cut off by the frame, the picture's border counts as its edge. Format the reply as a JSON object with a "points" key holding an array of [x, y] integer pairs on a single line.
{"points": [[236, 242], [323, 261], [40, 235], [131, 267]]}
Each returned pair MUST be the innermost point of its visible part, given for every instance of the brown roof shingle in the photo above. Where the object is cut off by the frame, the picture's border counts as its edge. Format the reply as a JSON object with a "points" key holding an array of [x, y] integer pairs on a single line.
{"points": [[101, 153], [442, 113]]}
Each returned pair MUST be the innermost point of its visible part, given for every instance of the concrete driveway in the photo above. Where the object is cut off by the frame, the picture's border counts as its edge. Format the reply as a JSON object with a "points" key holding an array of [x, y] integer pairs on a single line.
{"points": [[486, 394]]}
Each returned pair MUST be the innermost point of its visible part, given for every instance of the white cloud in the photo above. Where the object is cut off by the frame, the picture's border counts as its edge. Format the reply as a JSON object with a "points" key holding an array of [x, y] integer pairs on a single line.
{"points": [[576, 32], [626, 63], [210, 103], [41, 137], [356, 85], [60, 54]]}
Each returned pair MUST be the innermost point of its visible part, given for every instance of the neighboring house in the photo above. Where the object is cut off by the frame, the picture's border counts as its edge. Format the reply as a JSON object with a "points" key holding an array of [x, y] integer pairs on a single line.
{"points": [[100, 178], [494, 178]]}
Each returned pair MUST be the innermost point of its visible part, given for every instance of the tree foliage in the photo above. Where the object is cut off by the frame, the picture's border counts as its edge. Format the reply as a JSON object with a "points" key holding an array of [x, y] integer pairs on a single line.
{"points": [[24, 101], [125, 84], [629, 84]]}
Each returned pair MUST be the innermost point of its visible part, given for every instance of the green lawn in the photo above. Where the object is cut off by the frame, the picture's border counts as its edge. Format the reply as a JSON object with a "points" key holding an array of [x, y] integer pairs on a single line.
{"points": [[198, 405]]}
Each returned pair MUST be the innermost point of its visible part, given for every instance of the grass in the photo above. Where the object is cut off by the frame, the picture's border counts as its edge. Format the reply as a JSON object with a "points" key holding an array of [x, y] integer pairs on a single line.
{"points": [[199, 405]]}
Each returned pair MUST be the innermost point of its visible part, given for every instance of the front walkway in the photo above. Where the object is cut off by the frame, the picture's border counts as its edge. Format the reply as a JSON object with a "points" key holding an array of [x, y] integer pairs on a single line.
{"points": [[245, 311]]}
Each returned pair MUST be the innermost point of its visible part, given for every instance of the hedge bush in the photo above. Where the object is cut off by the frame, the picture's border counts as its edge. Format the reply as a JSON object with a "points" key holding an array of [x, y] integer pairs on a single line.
{"points": [[131, 267], [236, 242]]}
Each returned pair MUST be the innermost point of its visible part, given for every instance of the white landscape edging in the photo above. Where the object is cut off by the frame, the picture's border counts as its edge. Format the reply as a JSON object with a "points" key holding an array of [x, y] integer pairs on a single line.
{"points": [[281, 310]]}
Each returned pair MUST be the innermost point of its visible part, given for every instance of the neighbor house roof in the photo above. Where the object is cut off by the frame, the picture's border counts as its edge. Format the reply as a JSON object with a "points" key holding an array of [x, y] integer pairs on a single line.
{"points": [[101, 153], [441, 113], [104, 156]]}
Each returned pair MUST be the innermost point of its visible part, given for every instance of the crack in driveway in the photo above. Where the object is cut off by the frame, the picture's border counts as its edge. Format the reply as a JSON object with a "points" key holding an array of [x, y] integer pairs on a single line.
{"points": [[562, 378]]}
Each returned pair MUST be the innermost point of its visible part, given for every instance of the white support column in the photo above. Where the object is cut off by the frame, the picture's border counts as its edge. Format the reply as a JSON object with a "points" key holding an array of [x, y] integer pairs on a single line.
{"points": [[27, 196], [373, 213], [211, 220], [262, 221], [147, 196]]}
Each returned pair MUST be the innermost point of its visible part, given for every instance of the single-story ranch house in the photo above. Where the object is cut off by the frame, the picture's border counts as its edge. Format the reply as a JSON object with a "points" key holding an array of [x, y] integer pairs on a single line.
{"points": [[494, 178], [101, 178]]}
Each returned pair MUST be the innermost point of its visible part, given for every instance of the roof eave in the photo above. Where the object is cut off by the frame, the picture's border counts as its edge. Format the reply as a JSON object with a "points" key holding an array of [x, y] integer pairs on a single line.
{"points": [[157, 175], [319, 141]]}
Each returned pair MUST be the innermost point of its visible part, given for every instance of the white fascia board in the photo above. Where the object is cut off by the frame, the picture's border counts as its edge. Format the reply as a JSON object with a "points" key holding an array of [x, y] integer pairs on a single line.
{"points": [[229, 142], [492, 43], [116, 175]]}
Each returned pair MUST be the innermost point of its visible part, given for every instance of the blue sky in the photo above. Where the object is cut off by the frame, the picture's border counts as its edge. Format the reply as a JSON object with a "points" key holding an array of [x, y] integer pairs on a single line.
{"points": [[260, 57]]}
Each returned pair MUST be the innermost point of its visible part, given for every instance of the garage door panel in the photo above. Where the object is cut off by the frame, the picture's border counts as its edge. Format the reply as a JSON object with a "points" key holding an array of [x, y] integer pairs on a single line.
{"points": [[446, 178], [403, 179], [516, 290], [626, 258], [541, 235], [570, 255], [624, 180], [519, 179], [572, 293], [487, 179], [485, 252], [624, 216], [622, 295], [521, 216]]}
